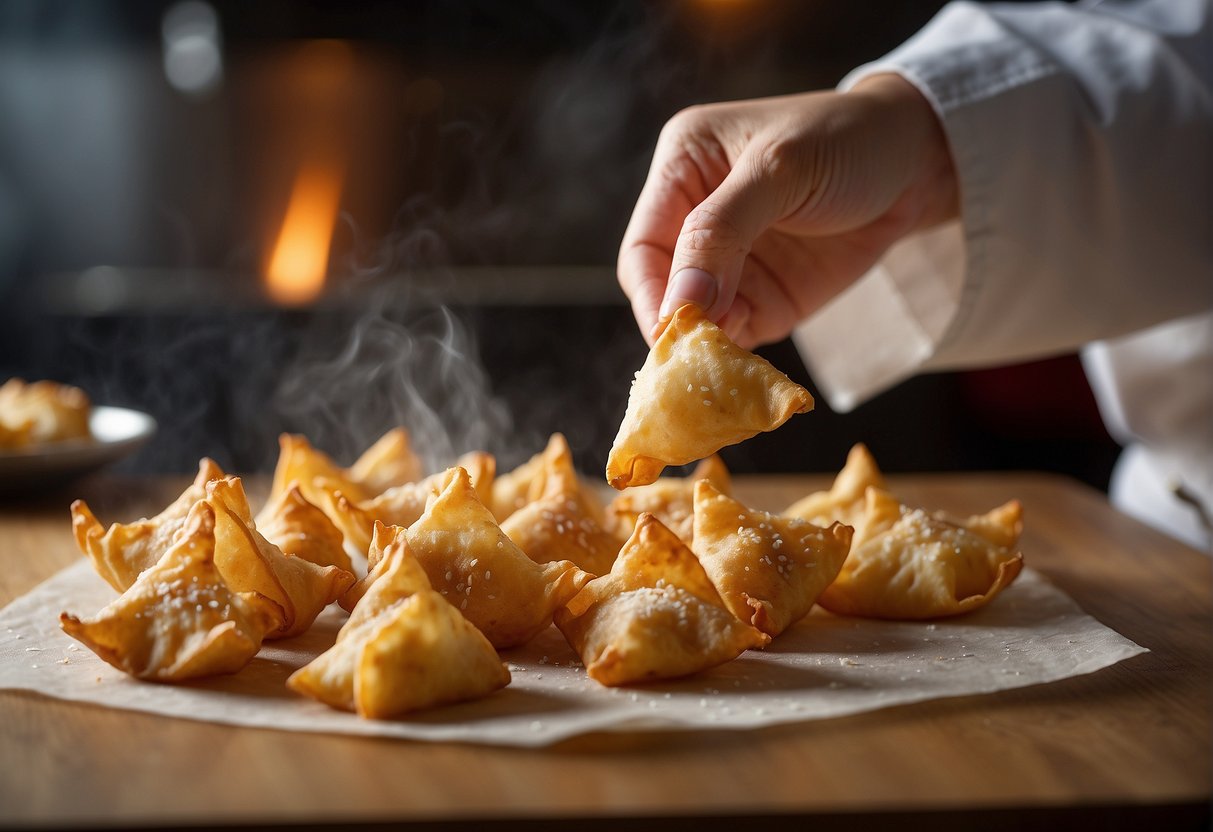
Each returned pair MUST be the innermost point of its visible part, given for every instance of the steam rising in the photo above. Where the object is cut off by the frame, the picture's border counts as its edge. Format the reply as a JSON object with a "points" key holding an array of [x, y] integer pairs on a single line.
{"points": [[423, 374]]}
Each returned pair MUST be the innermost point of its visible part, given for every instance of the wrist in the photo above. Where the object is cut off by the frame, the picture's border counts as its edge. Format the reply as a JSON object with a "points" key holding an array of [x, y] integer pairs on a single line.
{"points": [[909, 115]]}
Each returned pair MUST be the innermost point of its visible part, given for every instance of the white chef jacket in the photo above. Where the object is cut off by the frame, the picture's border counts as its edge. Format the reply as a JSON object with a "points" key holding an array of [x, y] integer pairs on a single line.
{"points": [[1082, 137]]}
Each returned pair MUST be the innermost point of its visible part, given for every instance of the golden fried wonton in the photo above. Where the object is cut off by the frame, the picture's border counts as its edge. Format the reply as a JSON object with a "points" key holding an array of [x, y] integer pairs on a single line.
{"points": [[404, 647], [768, 569], [472, 564], [559, 525], [512, 490], [179, 620], [389, 462], [124, 550], [670, 499], [300, 529], [654, 616], [249, 562], [696, 393], [43, 411], [844, 501], [907, 564], [528, 482], [403, 504]]}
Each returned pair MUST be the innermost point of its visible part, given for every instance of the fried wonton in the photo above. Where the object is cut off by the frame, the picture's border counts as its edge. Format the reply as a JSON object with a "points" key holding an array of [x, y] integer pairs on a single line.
{"points": [[844, 501], [768, 569], [670, 499], [124, 550], [44, 411], [560, 526], [249, 562], [528, 482], [654, 616], [404, 647], [512, 490], [300, 529], [403, 504], [389, 462], [908, 564], [696, 393], [179, 620], [472, 564]]}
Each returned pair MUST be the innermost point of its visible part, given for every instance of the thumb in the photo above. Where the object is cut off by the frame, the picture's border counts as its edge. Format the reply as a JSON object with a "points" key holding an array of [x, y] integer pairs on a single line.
{"points": [[717, 236]]}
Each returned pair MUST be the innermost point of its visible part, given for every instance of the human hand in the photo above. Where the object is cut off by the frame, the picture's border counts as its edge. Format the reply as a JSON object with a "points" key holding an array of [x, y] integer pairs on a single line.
{"points": [[762, 211]]}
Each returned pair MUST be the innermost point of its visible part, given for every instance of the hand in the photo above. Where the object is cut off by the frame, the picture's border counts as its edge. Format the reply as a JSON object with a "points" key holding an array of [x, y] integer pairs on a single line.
{"points": [[761, 211]]}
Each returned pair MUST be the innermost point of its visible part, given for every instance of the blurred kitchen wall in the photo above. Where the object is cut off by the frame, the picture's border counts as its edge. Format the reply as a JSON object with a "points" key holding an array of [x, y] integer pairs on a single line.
{"points": [[486, 157]]}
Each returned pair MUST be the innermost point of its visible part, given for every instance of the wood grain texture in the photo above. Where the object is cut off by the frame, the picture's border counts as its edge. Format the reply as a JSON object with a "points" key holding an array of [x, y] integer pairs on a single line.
{"points": [[1136, 734]]}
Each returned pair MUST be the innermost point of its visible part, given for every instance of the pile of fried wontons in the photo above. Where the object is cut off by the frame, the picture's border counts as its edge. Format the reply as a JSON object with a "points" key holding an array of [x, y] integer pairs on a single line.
{"points": [[440, 572]]}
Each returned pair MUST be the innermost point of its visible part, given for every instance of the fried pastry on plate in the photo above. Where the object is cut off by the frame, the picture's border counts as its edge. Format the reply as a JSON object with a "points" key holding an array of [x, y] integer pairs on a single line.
{"points": [[671, 500], [300, 529], [403, 504], [768, 569], [472, 564], [404, 648], [179, 620], [250, 563], [908, 564], [387, 463], [44, 411], [654, 616], [696, 393], [124, 550], [844, 501], [560, 526]]}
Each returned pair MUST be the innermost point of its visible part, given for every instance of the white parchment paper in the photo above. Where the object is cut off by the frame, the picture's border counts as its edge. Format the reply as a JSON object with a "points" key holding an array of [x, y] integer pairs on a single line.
{"points": [[824, 667]]}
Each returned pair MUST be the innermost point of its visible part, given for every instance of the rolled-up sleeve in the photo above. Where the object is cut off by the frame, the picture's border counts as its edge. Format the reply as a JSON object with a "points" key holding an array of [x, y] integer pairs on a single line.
{"points": [[1083, 143]]}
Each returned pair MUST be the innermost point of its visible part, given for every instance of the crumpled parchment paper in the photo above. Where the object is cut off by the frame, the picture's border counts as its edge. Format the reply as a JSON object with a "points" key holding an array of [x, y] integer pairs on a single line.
{"points": [[823, 667]]}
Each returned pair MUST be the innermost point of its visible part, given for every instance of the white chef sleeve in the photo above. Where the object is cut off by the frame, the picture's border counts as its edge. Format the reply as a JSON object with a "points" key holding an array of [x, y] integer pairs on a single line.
{"points": [[1083, 142]]}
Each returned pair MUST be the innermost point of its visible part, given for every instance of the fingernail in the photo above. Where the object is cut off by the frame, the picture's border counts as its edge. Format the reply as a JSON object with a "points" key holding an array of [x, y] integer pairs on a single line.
{"points": [[689, 286]]}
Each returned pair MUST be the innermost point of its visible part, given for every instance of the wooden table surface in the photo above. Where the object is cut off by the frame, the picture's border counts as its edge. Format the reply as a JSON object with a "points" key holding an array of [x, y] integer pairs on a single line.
{"points": [[1126, 744]]}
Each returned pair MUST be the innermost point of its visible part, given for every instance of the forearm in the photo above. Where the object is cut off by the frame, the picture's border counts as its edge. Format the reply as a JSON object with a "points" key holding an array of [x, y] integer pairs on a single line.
{"points": [[1081, 144]]}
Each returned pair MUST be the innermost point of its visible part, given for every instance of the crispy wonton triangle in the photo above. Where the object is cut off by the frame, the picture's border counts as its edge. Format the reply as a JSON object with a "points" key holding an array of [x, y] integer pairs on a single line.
{"points": [[560, 525], [120, 553], [472, 564], [654, 616], [395, 574], [300, 529], [696, 393], [388, 463], [403, 504], [417, 653], [299, 462], [512, 490], [844, 502], [911, 565], [671, 500], [768, 569], [179, 620], [249, 562]]}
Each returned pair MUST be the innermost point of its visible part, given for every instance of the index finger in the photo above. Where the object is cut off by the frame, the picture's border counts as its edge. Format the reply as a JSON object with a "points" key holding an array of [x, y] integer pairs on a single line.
{"points": [[647, 250]]}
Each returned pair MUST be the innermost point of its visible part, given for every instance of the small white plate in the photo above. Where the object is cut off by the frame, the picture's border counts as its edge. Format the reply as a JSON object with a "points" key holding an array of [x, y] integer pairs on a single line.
{"points": [[117, 432]]}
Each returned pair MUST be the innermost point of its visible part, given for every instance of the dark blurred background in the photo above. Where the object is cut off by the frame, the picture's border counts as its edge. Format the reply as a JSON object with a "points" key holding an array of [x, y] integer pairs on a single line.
{"points": [[459, 174]]}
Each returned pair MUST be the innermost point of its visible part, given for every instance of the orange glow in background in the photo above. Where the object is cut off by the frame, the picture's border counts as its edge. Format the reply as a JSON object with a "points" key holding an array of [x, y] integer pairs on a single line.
{"points": [[297, 268]]}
